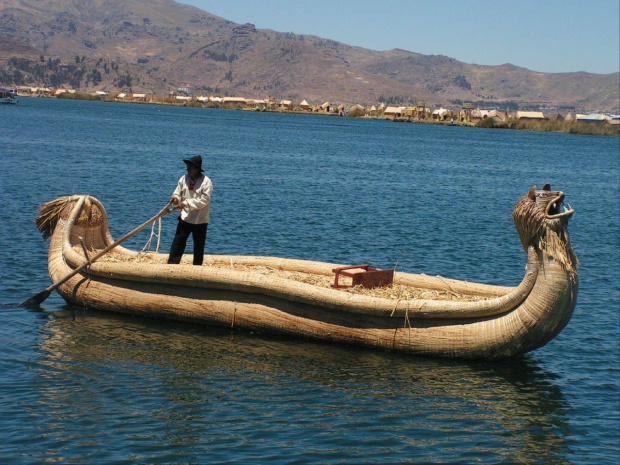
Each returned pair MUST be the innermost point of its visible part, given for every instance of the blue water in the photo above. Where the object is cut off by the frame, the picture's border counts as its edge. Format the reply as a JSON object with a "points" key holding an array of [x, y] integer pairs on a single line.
{"points": [[79, 386]]}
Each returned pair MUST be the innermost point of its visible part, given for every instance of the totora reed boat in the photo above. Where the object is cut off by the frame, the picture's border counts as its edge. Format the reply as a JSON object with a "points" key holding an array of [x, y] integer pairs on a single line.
{"points": [[417, 314]]}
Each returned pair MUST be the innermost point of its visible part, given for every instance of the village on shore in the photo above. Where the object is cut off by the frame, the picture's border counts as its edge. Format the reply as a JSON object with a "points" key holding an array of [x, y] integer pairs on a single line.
{"points": [[467, 115]]}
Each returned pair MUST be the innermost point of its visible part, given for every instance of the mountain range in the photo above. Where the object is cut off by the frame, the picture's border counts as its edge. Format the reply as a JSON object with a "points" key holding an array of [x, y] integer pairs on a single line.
{"points": [[159, 46]]}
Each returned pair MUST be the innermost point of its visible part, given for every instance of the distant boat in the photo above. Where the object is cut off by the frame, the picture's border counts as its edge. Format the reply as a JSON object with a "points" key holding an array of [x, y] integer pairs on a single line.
{"points": [[447, 318], [8, 95]]}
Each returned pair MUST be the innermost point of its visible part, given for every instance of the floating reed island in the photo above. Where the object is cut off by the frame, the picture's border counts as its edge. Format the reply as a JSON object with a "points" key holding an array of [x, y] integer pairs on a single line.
{"points": [[357, 305], [467, 116]]}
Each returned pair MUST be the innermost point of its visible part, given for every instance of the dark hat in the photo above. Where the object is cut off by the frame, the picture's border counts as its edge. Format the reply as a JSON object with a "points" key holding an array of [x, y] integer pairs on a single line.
{"points": [[195, 161]]}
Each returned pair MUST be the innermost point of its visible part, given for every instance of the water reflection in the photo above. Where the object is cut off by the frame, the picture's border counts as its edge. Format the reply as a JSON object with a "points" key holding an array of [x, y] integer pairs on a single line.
{"points": [[186, 393]]}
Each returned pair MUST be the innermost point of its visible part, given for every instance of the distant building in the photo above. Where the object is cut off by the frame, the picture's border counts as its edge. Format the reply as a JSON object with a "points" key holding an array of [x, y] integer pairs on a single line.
{"points": [[441, 114], [478, 114], [393, 112], [259, 103], [593, 118], [421, 110], [232, 101], [529, 115], [186, 90], [286, 105], [498, 116], [466, 112], [410, 112]]}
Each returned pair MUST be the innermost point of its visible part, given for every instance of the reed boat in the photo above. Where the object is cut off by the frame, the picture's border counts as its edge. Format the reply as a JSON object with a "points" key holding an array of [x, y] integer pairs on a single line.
{"points": [[416, 314], [8, 95]]}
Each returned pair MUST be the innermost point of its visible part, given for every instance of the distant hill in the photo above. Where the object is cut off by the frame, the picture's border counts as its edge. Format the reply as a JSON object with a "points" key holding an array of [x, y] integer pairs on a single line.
{"points": [[160, 45]]}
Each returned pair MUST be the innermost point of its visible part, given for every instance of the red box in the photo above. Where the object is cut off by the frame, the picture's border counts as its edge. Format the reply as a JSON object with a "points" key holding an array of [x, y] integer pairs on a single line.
{"points": [[369, 277]]}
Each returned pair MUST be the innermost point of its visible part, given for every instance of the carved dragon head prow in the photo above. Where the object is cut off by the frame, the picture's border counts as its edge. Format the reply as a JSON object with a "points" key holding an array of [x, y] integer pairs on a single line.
{"points": [[541, 219]]}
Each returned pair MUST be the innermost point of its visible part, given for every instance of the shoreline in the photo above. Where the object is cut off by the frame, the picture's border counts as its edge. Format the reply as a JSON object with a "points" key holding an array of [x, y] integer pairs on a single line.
{"points": [[557, 126]]}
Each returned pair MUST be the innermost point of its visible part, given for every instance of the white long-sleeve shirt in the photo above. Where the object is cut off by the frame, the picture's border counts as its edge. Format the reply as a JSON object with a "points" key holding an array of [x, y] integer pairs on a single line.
{"points": [[198, 200]]}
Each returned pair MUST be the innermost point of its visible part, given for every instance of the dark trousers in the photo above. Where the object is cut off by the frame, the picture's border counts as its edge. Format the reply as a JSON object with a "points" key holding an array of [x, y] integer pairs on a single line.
{"points": [[199, 237]]}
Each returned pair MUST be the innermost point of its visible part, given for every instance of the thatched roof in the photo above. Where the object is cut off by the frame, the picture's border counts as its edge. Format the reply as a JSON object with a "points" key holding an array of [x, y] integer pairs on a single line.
{"points": [[529, 115], [233, 100], [394, 110]]}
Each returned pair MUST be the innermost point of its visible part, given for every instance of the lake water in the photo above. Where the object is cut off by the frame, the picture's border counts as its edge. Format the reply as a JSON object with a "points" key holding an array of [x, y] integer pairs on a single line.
{"points": [[79, 386]]}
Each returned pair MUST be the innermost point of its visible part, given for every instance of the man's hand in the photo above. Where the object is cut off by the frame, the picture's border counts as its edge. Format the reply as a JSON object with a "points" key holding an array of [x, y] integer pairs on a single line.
{"points": [[174, 200]]}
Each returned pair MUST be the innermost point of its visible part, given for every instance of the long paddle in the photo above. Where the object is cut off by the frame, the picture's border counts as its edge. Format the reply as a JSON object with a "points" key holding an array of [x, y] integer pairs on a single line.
{"points": [[41, 296]]}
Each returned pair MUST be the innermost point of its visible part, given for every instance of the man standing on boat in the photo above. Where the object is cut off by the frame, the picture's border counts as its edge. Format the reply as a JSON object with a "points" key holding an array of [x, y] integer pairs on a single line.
{"points": [[193, 196]]}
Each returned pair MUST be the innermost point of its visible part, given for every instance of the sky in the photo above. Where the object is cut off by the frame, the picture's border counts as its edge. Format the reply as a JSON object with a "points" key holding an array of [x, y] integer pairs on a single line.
{"points": [[550, 36]]}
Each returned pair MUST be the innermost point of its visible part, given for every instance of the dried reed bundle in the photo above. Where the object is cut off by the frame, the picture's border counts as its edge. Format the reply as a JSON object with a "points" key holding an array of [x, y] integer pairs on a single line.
{"points": [[394, 291], [48, 214]]}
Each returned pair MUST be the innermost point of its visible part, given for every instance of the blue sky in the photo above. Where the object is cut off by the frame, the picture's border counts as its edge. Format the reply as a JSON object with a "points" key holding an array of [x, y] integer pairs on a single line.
{"points": [[550, 36]]}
